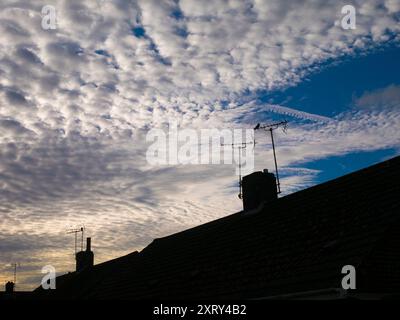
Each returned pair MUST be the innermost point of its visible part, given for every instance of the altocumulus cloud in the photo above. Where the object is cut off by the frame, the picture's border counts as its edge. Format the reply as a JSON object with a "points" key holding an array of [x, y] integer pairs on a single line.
{"points": [[75, 104]]}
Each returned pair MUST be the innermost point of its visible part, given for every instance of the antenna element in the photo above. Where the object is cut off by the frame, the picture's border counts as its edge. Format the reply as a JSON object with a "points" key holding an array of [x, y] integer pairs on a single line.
{"points": [[240, 147], [271, 128], [76, 231]]}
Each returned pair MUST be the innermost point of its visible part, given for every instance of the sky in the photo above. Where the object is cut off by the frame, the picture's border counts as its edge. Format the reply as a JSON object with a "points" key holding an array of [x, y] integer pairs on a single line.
{"points": [[77, 102]]}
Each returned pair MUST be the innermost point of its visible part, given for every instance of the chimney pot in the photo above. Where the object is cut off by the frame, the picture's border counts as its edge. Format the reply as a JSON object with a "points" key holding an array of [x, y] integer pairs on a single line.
{"points": [[88, 243], [9, 287]]}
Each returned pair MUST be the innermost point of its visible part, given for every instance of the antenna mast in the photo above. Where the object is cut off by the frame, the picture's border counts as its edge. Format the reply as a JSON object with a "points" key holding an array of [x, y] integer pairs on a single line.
{"points": [[76, 231], [240, 147], [15, 265], [271, 128]]}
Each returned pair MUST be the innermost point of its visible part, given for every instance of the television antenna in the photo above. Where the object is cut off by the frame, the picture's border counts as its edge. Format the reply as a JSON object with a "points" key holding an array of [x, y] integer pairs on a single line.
{"points": [[240, 146], [15, 265], [76, 231], [271, 128]]}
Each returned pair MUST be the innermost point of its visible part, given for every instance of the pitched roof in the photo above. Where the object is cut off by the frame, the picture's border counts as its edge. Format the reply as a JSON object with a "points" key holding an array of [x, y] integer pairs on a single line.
{"points": [[297, 243]]}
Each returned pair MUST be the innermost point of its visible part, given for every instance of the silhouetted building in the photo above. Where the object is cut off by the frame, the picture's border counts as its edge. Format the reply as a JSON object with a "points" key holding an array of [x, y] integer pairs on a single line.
{"points": [[9, 287], [293, 247], [10, 294], [258, 188], [85, 259]]}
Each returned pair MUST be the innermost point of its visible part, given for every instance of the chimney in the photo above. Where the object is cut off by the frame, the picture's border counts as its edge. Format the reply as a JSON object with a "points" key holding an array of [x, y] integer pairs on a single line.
{"points": [[85, 259], [258, 187], [9, 287], [88, 243]]}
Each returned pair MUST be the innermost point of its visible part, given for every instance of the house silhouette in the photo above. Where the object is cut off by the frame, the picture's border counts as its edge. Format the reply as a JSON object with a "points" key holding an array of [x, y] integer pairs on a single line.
{"points": [[293, 247]]}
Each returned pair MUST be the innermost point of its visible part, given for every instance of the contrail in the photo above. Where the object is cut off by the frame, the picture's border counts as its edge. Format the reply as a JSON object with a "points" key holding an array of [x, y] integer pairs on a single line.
{"points": [[255, 107], [296, 113]]}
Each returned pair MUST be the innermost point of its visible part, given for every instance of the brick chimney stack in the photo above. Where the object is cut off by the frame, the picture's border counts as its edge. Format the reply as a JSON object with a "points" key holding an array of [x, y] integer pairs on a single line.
{"points": [[258, 187], [85, 259]]}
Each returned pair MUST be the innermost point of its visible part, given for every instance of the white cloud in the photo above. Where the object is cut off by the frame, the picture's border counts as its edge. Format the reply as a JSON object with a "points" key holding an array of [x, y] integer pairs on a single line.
{"points": [[74, 103], [388, 97]]}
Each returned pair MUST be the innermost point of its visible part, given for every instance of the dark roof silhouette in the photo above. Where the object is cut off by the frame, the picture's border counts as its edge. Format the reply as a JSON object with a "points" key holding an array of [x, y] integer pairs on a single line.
{"points": [[296, 245]]}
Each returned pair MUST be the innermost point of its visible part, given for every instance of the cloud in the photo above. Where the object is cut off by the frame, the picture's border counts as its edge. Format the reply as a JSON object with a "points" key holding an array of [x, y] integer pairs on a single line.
{"points": [[75, 104], [12, 127], [388, 97]]}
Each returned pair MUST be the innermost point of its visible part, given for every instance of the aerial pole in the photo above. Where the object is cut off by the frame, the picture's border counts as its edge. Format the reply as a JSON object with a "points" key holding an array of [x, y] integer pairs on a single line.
{"points": [[278, 184], [82, 231], [240, 147], [14, 266], [271, 128], [75, 232]]}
